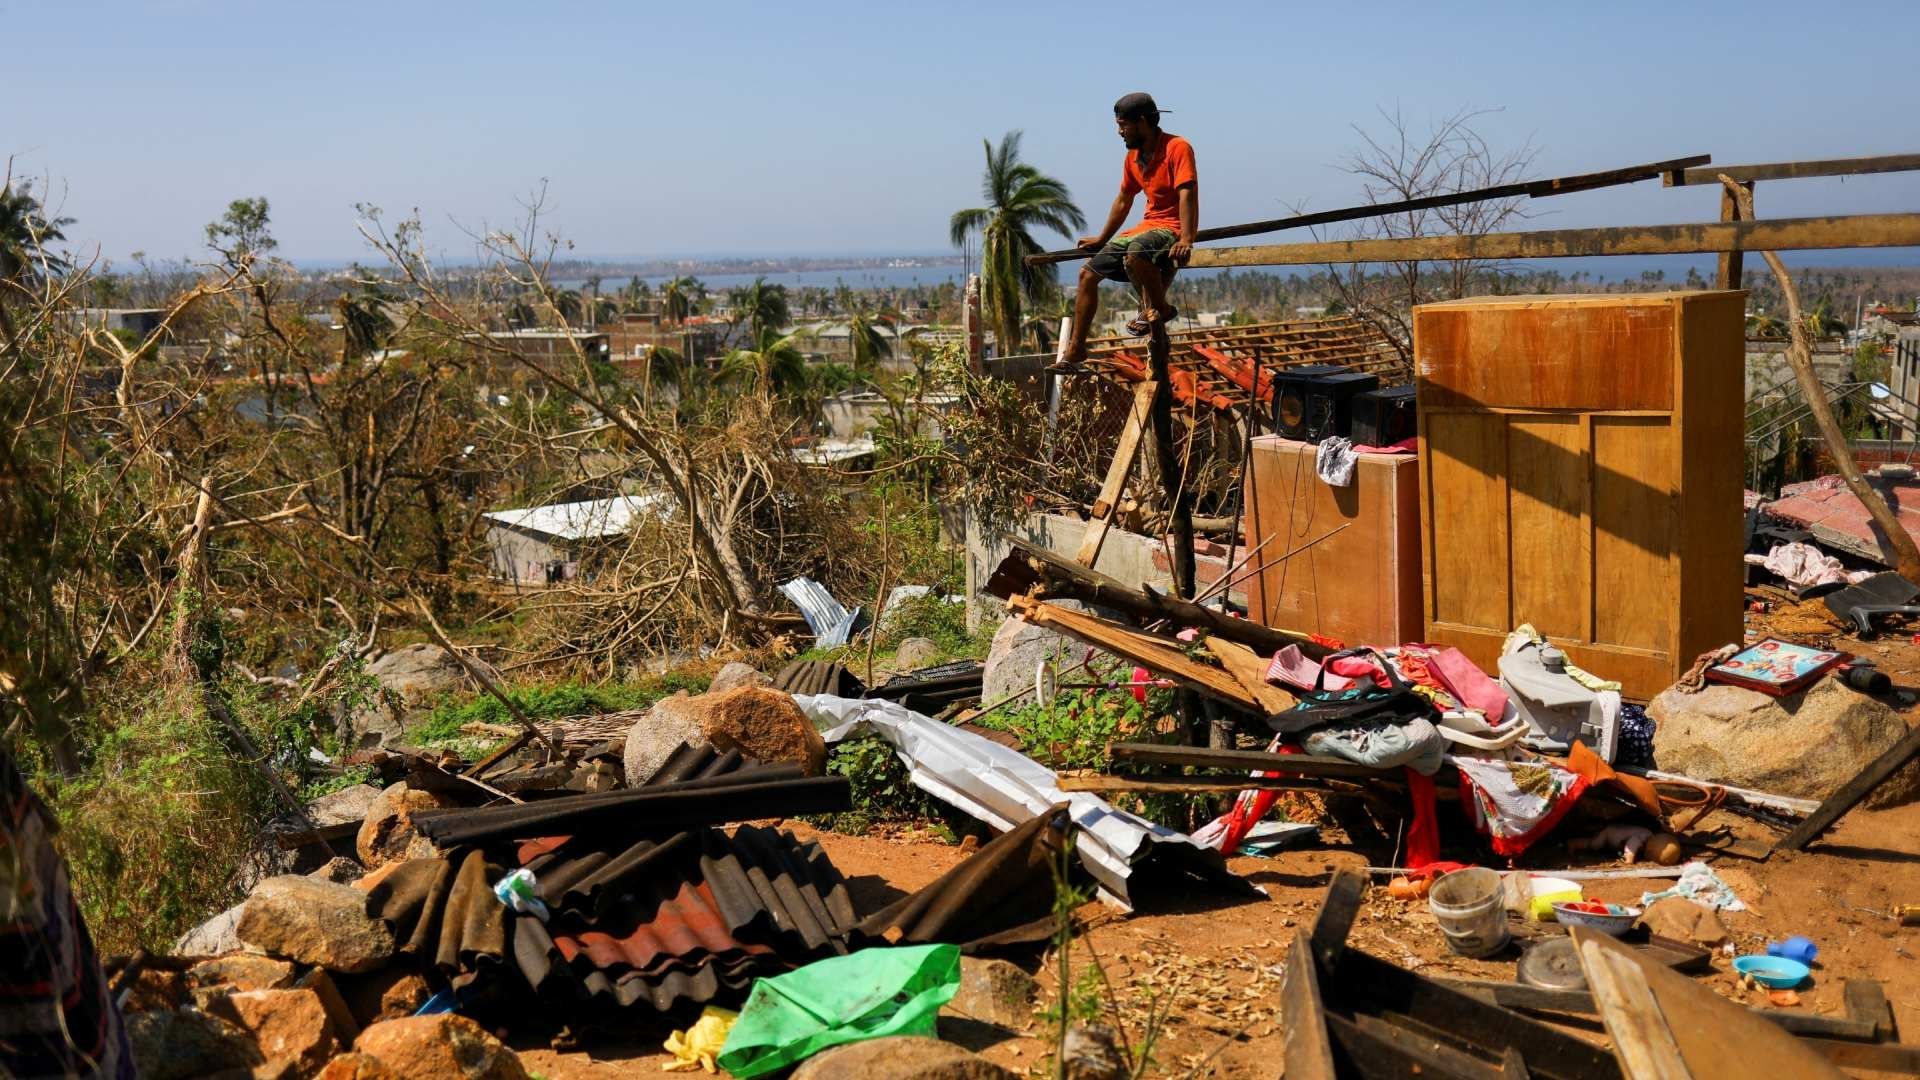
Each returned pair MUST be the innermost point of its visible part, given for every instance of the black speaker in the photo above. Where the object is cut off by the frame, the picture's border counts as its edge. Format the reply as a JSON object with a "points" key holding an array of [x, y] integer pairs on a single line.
{"points": [[1290, 397], [1384, 417], [1330, 403]]}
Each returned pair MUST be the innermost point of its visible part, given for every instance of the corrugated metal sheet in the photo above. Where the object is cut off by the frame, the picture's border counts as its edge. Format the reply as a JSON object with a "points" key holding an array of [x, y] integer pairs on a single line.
{"points": [[691, 919], [1002, 894], [832, 624], [442, 916], [582, 520]]}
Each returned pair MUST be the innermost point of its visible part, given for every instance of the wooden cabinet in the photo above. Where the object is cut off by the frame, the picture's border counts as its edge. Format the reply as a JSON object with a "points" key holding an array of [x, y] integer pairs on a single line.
{"points": [[1355, 569], [1580, 470]]}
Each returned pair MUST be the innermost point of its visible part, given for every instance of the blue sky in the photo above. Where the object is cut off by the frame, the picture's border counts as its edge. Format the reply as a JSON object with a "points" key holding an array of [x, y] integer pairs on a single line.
{"points": [[828, 128]]}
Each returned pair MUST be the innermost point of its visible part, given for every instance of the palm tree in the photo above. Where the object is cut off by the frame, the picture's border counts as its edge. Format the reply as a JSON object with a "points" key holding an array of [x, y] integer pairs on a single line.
{"points": [[24, 233], [762, 307], [365, 317], [676, 299], [870, 345], [1019, 198], [777, 365]]}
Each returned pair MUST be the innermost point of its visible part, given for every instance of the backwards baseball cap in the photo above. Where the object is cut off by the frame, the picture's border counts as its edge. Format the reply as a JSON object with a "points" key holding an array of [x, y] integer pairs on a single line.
{"points": [[1136, 105]]}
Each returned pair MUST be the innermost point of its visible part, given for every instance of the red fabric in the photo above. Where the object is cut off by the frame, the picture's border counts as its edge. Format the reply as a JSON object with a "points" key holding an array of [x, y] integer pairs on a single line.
{"points": [[1423, 836], [1250, 807], [1354, 667], [1141, 677], [1466, 682], [1327, 642], [1513, 846]]}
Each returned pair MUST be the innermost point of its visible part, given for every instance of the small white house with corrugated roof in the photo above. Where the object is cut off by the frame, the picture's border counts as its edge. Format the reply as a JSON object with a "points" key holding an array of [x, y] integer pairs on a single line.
{"points": [[545, 545]]}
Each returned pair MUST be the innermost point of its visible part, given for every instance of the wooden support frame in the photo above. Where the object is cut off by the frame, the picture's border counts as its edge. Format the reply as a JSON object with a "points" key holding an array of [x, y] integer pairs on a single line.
{"points": [[1779, 234], [1118, 471], [1796, 170], [1161, 656], [1249, 761]]}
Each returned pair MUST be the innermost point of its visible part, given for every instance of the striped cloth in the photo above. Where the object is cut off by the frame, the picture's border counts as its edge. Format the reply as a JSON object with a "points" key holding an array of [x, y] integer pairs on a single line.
{"points": [[56, 1017]]}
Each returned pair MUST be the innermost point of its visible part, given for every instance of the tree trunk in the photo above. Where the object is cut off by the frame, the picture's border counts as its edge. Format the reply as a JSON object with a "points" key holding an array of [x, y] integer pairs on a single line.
{"points": [[1800, 358]]}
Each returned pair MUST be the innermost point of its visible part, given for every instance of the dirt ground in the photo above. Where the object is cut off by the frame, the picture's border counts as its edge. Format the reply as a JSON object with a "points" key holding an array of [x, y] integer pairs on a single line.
{"points": [[1211, 964]]}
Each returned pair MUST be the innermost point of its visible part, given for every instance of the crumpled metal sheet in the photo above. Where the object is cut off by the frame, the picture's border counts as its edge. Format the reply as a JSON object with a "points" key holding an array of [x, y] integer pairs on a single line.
{"points": [[689, 919], [444, 915], [831, 622], [1002, 894], [1004, 788]]}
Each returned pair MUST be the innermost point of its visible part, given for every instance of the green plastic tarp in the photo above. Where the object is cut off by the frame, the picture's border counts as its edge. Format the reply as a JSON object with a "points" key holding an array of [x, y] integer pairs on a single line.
{"points": [[874, 992]]}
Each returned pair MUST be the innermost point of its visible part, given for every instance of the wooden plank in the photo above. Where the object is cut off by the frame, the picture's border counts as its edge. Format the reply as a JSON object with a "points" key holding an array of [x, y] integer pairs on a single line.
{"points": [[1581, 1003], [1856, 790], [1184, 785], [1547, 353], [1157, 655], [1369, 1055], [1370, 984], [1657, 1010], [1334, 921], [1894, 1058], [1117, 473], [1798, 170], [293, 839], [1248, 761], [1777, 234], [1641, 1039], [1867, 1002], [1251, 672], [1424, 1051], [1535, 189], [1308, 1053], [1732, 263]]}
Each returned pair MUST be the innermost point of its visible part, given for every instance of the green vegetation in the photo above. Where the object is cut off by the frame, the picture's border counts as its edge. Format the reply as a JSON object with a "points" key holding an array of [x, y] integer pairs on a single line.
{"points": [[443, 724]]}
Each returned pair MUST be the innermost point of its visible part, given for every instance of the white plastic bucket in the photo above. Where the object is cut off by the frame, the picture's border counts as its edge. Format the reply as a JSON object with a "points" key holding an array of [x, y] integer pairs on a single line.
{"points": [[1468, 905]]}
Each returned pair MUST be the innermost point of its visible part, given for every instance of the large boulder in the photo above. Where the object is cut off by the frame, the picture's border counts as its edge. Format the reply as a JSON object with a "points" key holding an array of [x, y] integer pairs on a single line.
{"points": [[735, 675], [899, 1057], [241, 971], [915, 653], [287, 1025], [215, 937], [388, 994], [442, 1045], [340, 807], [387, 833], [356, 1066], [185, 1044], [315, 922], [408, 678], [763, 724], [1806, 745], [1019, 647]]}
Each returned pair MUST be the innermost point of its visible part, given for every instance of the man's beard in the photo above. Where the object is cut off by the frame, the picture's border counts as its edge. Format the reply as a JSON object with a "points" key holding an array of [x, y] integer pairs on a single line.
{"points": [[1134, 142]]}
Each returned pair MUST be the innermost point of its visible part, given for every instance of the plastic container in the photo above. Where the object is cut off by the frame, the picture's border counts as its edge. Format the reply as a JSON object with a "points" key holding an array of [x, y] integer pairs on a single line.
{"points": [[1616, 920], [1794, 948], [1467, 904], [1773, 972], [1548, 891]]}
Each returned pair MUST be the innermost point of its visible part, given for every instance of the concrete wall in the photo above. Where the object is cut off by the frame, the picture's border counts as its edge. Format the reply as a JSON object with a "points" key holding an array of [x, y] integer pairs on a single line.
{"points": [[1128, 557]]}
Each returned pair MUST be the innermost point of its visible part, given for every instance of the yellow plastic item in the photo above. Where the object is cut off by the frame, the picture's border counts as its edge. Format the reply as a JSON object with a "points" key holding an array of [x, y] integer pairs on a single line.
{"points": [[1548, 891], [696, 1047]]}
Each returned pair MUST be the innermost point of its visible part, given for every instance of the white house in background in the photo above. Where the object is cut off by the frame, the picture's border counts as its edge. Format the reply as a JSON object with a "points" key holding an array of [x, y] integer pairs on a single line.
{"points": [[542, 545]]}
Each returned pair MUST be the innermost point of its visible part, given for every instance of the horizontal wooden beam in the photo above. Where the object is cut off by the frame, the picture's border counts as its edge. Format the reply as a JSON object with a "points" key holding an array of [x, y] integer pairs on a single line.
{"points": [[1524, 189], [1796, 170], [1781, 234], [1201, 757]]}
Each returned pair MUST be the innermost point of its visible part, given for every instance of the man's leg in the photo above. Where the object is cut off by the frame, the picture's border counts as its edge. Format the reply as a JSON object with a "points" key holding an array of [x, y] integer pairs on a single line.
{"points": [[1086, 304], [1153, 287]]}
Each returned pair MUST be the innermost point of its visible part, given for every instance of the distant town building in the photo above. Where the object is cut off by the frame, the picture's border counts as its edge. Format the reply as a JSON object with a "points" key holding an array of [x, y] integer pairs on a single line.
{"points": [[546, 545]]}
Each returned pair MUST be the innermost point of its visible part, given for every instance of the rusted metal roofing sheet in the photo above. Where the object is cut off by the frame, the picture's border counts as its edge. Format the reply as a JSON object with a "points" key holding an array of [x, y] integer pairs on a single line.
{"points": [[742, 795]]}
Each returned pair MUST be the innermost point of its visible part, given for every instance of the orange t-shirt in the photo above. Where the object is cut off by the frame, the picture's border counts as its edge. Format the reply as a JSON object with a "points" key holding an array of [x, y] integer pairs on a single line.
{"points": [[1171, 167]]}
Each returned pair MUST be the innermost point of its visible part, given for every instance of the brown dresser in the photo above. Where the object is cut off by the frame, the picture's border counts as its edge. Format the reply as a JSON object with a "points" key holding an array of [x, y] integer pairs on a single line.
{"points": [[1580, 469]]}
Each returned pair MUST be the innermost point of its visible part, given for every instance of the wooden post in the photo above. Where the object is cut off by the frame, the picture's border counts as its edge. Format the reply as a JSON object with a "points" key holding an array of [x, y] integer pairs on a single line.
{"points": [[1730, 261], [1172, 479]]}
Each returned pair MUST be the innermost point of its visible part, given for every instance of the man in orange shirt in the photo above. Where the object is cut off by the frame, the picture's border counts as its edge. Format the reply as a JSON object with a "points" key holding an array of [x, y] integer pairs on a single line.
{"points": [[1161, 165]]}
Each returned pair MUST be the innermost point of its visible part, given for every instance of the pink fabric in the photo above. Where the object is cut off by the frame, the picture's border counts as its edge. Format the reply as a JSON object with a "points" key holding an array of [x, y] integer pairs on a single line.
{"points": [[1290, 667], [1404, 446], [1354, 667], [1252, 805], [1466, 682]]}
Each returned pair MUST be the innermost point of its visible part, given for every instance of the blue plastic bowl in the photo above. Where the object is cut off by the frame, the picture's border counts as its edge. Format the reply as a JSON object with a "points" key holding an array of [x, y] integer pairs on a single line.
{"points": [[1775, 972]]}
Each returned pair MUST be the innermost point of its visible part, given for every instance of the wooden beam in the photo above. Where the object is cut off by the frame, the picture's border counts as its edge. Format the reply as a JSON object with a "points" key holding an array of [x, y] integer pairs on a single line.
{"points": [[1066, 579], [1308, 1054], [1334, 921], [1780, 234], [1732, 263], [1797, 170], [1641, 1038], [1249, 761], [1856, 790], [1118, 471], [1158, 655], [1580, 1002], [1251, 672], [1893, 1058], [1867, 1001], [1530, 189], [1184, 785]]}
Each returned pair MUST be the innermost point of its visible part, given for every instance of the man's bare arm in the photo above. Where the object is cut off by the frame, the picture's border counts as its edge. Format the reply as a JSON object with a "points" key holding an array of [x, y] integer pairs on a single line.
{"points": [[1122, 205], [1189, 196]]}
